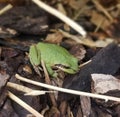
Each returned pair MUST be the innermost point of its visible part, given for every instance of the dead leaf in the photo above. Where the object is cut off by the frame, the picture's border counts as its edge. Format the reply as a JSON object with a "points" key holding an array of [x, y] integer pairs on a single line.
{"points": [[77, 4], [54, 37], [99, 20], [78, 51]]}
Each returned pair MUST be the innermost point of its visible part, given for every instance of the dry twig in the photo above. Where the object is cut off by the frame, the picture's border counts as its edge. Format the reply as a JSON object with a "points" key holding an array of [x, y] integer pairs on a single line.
{"points": [[6, 8], [106, 98], [23, 104], [26, 90], [100, 7], [61, 16], [47, 80]]}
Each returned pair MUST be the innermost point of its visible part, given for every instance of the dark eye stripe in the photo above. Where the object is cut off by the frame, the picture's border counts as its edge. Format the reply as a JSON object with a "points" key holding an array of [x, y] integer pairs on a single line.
{"points": [[62, 66]]}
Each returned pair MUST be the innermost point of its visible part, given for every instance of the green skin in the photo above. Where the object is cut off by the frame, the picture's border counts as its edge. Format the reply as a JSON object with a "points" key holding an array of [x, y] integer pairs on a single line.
{"points": [[52, 55]]}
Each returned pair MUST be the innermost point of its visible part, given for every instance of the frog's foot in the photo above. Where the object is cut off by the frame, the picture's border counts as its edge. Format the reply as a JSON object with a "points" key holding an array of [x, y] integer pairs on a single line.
{"points": [[51, 71]]}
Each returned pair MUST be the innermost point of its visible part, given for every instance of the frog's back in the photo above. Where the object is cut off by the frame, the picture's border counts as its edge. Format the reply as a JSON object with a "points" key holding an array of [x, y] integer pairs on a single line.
{"points": [[54, 54]]}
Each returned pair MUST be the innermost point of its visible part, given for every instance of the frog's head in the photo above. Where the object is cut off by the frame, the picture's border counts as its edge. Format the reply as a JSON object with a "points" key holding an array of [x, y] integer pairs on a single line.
{"points": [[34, 56]]}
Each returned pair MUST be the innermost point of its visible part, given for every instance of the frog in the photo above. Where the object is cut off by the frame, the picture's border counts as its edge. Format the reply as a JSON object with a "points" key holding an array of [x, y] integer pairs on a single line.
{"points": [[54, 56]]}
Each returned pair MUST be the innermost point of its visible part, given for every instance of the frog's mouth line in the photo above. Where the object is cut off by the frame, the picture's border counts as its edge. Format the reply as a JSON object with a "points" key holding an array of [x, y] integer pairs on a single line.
{"points": [[60, 66], [63, 67]]}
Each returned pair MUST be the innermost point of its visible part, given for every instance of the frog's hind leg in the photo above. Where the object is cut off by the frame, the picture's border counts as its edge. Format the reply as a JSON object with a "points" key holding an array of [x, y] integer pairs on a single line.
{"points": [[50, 71]]}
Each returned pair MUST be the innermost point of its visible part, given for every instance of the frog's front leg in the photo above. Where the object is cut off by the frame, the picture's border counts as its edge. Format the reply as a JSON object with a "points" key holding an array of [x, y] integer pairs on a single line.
{"points": [[50, 71]]}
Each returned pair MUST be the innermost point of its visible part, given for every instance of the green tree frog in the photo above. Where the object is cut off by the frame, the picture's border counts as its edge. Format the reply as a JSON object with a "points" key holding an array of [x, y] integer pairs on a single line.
{"points": [[54, 56]]}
